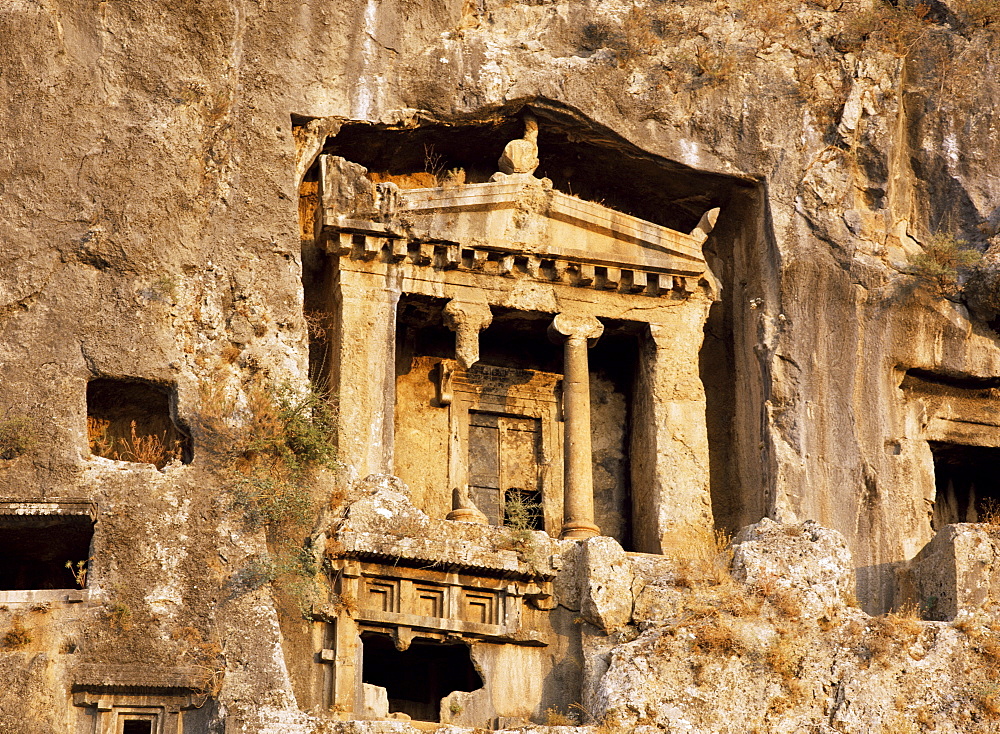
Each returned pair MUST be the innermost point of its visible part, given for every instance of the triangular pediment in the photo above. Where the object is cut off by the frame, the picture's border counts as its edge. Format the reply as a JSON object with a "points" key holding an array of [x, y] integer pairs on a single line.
{"points": [[522, 214]]}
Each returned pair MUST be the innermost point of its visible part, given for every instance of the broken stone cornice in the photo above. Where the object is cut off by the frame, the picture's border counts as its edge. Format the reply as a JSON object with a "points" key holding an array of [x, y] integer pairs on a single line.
{"points": [[115, 677]]}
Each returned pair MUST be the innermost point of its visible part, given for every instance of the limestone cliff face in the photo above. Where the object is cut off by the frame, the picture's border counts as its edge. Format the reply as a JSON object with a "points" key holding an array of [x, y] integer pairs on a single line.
{"points": [[149, 225]]}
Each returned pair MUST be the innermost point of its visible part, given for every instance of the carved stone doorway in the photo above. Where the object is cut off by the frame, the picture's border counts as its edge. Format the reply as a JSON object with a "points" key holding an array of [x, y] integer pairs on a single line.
{"points": [[504, 467]]}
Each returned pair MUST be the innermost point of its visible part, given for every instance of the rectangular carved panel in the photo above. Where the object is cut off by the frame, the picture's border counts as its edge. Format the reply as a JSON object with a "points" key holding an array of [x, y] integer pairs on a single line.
{"points": [[381, 595], [430, 601], [479, 607]]}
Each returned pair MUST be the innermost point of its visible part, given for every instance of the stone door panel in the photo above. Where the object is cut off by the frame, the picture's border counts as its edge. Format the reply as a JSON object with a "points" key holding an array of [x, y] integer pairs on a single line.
{"points": [[504, 457]]}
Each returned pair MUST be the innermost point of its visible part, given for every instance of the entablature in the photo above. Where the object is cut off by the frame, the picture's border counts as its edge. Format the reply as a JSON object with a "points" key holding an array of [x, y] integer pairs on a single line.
{"points": [[436, 604], [515, 227]]}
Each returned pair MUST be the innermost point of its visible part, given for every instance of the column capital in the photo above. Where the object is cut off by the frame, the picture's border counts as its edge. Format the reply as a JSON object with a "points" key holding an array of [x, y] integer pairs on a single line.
{"points": [[467, 319], [582, 326]]}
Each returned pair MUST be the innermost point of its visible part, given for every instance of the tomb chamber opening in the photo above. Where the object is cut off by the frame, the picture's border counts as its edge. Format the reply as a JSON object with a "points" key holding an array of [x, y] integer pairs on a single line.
{"points": [[137, 726], [418, 678], [134, 420], [42, 551], [967, 483], [499, 427]]}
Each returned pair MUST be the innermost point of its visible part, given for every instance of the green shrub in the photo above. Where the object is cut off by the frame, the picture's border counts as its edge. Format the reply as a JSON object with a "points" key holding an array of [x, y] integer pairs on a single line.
{"points": [[942, 264], [269, 447]]}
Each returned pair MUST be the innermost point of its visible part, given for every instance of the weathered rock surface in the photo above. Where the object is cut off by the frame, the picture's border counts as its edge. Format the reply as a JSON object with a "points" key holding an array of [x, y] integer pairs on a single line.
{"points": [[149, 228], [807, 561], [955, 572], [606, 598]]}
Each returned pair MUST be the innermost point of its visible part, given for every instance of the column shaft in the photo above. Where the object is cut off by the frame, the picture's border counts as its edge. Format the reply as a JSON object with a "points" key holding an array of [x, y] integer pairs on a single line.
{"points": [[578, 332], [578, 486], [363, 372]]}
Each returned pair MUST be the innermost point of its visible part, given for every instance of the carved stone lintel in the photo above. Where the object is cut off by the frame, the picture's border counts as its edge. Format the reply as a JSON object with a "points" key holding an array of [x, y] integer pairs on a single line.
{"points": [[467, 320]]}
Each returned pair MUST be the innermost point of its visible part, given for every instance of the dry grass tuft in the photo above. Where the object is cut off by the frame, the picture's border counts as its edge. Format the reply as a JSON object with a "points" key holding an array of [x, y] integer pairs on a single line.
{"points": [[555, 717], [18, 436], [989, 512], [714, 636], [780, 598], [139, 448], [892, 632], [703, 558], [894, 28], [784, 657], [977, 13], [205, 656], [17, 636]]}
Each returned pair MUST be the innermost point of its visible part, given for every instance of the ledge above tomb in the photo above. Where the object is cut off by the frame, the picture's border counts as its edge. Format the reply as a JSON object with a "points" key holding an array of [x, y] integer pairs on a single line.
{"points": [[458, 552]]}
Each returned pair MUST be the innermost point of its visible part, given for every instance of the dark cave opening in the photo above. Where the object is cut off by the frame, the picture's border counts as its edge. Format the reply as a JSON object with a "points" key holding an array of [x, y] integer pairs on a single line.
{"points": [[967, 483], [36, 549], [416, 679], [581, 158]]}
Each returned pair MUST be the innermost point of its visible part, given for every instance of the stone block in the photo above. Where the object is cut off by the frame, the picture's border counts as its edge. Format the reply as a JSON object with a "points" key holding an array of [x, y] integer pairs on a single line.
{"points": [[959, 569], [375, 702], [807, 560], [606, 588]]}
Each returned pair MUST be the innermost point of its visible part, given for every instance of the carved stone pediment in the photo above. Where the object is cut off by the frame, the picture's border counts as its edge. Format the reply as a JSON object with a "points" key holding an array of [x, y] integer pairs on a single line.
{"points": [[525, 215]]}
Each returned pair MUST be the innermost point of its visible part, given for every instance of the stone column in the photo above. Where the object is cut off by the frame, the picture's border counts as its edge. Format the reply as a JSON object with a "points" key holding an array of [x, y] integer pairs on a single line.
{"points": [[578, 333], [467, 320], [671, 498], [363, 371]]}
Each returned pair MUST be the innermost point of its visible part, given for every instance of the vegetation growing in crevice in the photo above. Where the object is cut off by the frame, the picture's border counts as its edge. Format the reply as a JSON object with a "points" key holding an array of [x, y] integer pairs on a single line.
{"points": [[149, 448], [942, 265], [18, 436], [521, 519], [292, 569], [17, 636], [269, 441], [203, 655]]}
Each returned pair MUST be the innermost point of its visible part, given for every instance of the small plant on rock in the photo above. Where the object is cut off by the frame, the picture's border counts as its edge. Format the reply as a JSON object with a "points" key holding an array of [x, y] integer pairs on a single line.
{"points": [[943, 263], [79, 571], [522, 516], [17, 636], [18, 436], [120, 615], [989, 512]]}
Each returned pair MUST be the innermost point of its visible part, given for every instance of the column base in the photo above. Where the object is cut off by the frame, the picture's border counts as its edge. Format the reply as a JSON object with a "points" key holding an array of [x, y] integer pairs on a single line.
{"points": [[579, 530], [467, 514]]}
